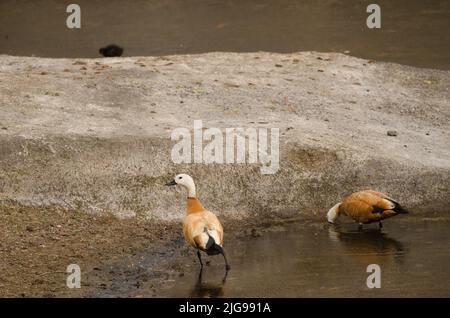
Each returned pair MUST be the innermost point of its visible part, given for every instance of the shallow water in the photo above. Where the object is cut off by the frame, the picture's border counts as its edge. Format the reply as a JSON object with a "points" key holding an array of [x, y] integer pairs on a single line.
{"points": [[413, 32], [316, 260]]}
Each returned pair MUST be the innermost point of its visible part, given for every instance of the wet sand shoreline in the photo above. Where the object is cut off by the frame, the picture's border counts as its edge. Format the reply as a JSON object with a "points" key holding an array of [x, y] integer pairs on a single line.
{"points": [[137, 258]]}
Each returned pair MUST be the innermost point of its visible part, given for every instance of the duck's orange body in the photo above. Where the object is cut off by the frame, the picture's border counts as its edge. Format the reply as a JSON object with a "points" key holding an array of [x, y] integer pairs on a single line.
{"points": [[366, 207], [200, 225]]}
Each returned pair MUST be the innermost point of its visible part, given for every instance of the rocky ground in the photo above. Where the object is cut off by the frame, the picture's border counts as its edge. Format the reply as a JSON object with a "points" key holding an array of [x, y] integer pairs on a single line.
{"points": [[93, 136]]}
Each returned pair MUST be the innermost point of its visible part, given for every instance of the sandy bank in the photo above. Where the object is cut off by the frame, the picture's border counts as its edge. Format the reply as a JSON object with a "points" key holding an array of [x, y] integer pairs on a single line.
{"points": [[94, 134]]}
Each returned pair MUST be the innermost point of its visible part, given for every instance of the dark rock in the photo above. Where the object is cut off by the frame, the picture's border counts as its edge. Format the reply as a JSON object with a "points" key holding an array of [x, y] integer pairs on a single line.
{"points": [[111, 50]]}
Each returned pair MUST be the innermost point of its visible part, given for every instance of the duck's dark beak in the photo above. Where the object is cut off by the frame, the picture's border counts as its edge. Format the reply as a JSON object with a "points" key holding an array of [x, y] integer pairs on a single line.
{"points": [[171, 183]]}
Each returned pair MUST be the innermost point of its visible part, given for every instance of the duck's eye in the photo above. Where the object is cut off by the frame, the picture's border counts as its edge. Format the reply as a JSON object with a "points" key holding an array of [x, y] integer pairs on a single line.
{"points": [[180, 177]]}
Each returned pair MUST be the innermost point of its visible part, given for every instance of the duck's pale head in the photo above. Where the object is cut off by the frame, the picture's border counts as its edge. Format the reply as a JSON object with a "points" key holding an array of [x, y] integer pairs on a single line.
{"points": [[186, 181]]}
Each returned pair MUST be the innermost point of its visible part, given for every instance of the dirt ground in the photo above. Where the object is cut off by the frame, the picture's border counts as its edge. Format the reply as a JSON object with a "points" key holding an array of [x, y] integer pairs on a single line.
{"points": [[38, 244]]}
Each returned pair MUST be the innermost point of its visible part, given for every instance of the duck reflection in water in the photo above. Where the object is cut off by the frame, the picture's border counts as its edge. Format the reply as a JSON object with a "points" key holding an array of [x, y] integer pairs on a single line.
{"points": [[369, 246], [203, 289]]}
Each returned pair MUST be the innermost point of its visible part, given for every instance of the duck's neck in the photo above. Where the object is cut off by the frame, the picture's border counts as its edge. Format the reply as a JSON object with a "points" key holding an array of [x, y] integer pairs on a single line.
{"points": [[194, 205], [191, 191]]}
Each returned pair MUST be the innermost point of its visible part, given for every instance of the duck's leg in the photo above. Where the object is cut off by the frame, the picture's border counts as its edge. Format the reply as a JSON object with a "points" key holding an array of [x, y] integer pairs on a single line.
{"points": [[221, 251], [224, 279], [199, 279], [200, 259], [227, 266], [360, 227], [380, 225]]}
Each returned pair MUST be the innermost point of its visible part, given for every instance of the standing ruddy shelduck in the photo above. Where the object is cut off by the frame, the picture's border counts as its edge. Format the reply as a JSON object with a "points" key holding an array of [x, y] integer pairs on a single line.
{"points": [[201, 228], [366, 207]]}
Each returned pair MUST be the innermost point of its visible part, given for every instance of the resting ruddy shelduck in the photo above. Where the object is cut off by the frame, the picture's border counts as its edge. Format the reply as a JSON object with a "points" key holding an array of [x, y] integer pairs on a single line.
{"points": [[365, 207], [201, 228]]}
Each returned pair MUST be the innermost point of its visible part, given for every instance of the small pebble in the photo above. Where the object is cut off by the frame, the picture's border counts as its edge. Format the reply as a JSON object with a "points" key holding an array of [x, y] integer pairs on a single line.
{"points": [[392, 133]]}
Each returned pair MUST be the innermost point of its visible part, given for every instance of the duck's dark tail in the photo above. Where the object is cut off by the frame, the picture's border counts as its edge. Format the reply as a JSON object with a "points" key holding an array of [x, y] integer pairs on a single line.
{"points": [[212, 248]]}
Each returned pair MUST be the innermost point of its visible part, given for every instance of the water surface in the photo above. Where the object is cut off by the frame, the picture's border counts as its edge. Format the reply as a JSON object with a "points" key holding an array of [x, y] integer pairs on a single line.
{"points": [[311, 259], [413, 32]]}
